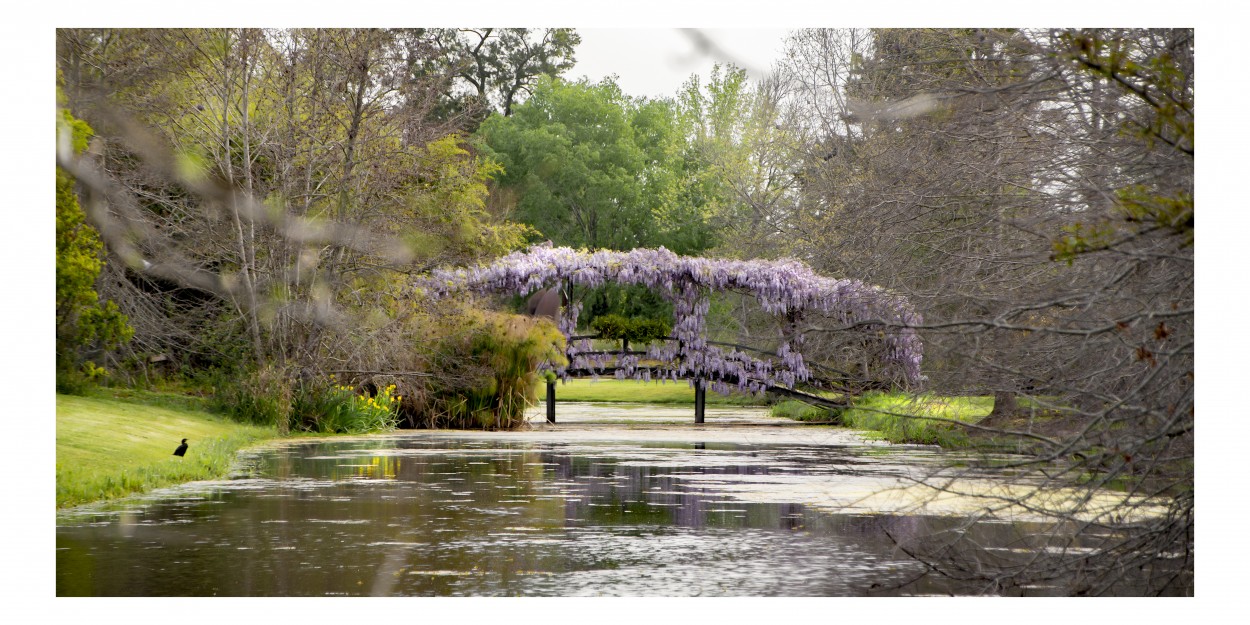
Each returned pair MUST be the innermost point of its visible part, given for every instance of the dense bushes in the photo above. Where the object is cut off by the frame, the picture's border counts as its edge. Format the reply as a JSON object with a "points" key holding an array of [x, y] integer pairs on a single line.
{"points": [[273, 397], [341, 409], [259, 397], [462, 368]]}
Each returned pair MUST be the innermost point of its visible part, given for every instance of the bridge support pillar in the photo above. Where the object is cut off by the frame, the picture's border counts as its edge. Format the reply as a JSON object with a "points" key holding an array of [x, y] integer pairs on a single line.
{"points": [[700, 399], [551, 401]]}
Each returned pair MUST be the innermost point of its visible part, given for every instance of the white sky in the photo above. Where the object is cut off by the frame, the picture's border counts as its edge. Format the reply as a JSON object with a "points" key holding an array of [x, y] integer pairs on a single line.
{"points": [[655, 62]]}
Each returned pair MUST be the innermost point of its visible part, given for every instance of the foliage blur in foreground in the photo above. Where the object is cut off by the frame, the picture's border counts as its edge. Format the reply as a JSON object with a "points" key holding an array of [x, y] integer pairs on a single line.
{"points": [[1031, 193]]}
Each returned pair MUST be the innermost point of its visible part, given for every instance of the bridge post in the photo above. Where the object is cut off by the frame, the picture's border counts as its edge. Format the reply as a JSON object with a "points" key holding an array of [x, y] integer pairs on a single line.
{"points": [[551, 401], [700, 399]]}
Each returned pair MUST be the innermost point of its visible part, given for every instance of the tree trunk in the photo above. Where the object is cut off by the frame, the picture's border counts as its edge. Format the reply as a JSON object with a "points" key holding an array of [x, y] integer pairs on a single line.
{"points": [[1004, 405]]}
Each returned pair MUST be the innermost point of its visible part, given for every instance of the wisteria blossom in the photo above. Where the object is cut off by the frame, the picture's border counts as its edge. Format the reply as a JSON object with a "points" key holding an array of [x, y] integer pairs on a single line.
{"points": [[786, 288]]}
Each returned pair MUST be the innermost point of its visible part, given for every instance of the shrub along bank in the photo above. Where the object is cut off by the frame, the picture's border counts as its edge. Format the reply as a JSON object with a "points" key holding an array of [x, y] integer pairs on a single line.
{"points": [[927, 419]]}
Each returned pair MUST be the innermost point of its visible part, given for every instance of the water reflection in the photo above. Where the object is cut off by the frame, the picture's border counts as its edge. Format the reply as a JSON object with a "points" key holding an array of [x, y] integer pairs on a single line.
{"points": [[436, 515]]}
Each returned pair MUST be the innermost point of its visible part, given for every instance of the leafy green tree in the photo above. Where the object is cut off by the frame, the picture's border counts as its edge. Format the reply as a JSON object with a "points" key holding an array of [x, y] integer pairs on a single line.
{"points": [[446, 215], [571, 155], [739, 159], [84, 323], [591, 167]]}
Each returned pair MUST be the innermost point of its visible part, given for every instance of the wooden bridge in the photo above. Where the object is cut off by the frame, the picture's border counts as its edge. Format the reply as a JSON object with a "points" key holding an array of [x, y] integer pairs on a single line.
{"points": [[822, 378], [785, 288]]}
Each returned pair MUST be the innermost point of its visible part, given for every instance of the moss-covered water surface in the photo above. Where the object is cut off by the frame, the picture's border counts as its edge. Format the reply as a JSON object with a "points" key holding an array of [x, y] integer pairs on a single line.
{"points": [[640, 506]]}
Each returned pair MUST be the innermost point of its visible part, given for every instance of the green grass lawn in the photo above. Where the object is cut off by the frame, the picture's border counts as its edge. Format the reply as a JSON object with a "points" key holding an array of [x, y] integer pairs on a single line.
{"points": [[107, 447], [612, 390]]}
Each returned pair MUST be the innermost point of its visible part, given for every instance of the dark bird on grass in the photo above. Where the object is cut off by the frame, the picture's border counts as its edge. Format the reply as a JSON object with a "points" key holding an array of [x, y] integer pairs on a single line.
{"points": [[182, 449]]}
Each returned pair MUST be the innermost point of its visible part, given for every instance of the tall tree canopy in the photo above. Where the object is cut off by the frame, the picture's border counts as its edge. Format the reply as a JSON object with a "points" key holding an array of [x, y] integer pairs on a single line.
{"points": [[495, 68], [592, 167], [739, 158]]}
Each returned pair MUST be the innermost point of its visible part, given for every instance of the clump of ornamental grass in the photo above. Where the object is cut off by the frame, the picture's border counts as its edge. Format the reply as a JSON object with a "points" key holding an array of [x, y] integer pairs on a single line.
{"points": [[489, 369]]}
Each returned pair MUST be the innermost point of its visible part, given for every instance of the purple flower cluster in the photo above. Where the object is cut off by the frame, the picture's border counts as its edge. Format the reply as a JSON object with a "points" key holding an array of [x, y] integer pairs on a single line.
{"points": [[785, 287]]}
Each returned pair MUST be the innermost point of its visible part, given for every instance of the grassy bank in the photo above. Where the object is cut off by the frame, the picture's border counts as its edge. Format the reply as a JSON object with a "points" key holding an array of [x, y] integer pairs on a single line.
{"points": [[612, 390], [803, 411], [117, 443], [927, 419], [899, 418]]}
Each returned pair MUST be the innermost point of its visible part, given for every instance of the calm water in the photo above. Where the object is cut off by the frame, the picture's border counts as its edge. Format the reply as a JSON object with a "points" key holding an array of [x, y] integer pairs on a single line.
{"points": [[638, 508]]}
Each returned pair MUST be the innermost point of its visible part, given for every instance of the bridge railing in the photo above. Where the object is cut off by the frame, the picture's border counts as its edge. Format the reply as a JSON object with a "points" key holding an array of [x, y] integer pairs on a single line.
{"points": [[828, 379]]}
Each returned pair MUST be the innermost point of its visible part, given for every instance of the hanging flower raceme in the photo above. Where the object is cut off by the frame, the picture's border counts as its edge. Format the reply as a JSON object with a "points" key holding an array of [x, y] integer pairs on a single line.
{"points": [[784, 287]]}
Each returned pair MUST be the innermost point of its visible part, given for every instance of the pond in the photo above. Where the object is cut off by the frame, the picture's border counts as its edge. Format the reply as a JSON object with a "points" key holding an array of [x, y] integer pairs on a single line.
{"points": [[609, 501]]}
